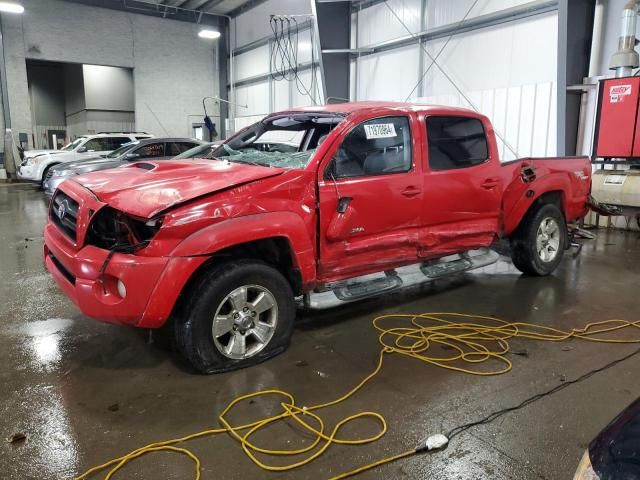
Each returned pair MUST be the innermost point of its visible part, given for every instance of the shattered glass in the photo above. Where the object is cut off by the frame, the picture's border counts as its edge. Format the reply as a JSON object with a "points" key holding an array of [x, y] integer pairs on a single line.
{"points": [[269, 159]]}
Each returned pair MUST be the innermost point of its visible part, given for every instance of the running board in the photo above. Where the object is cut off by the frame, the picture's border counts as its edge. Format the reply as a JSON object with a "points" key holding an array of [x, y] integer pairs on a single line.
{"points": [[367, 286]]}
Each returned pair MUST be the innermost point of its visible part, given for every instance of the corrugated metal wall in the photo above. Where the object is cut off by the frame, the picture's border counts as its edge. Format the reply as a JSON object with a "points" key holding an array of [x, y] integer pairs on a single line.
{"points": [[508, 71]]}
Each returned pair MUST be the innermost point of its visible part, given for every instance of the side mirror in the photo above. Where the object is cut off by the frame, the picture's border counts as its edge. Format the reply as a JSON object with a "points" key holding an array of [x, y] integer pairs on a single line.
{"points": [[82, 149], [131, 156]]}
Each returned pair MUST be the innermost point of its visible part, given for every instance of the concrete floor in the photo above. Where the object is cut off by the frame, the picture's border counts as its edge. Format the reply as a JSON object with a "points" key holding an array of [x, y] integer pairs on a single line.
{"points": [[84, 392]]}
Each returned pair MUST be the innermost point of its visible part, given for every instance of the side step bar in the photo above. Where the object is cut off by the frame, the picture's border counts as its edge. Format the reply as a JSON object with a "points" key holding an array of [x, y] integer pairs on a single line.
{"points": [[367, 286]]}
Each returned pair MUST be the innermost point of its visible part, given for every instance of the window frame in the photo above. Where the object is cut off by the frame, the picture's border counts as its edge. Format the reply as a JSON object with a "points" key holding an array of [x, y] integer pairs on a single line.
{"points": [[427, 143], [412, 165]]}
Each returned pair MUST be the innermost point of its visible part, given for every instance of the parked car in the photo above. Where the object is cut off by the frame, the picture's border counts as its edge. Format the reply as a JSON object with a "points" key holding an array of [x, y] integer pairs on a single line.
{"points": [[615, 453], [150, 148], [200, 151], [377, 196], [35, 167]]}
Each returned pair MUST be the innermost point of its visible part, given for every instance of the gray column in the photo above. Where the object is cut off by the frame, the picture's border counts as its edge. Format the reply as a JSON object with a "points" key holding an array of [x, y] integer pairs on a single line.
{"points": [[575, 29], [333, 24]]}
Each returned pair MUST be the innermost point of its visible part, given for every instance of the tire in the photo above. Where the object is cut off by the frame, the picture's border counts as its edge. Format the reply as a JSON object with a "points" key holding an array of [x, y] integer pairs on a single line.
{"points": [[44, 174], [217, 346], [539, 242]]}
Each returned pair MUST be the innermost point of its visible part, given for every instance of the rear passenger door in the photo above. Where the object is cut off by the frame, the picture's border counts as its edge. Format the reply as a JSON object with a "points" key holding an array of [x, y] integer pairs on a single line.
{"points": [[370, 199], [462, 185]]}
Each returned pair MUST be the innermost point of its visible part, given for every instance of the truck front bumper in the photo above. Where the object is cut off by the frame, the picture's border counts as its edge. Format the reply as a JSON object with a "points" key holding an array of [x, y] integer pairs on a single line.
{"points": [[132, 289]]}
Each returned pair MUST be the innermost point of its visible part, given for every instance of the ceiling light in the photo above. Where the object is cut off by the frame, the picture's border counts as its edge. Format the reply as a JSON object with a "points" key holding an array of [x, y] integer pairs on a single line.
{"points": [[209, 34], [11, 7]]}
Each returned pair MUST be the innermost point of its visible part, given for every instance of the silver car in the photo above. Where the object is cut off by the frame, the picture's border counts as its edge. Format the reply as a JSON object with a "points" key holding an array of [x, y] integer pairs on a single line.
{"points": [[148, 149]]}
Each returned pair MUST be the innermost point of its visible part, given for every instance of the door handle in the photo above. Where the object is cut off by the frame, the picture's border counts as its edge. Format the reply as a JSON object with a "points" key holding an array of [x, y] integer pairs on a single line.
{"points": [[490, 183], [411, 191]]}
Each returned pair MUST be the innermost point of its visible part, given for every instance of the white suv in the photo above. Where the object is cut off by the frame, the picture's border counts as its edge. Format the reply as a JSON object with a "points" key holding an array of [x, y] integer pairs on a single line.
{"points": [[36, 163]]}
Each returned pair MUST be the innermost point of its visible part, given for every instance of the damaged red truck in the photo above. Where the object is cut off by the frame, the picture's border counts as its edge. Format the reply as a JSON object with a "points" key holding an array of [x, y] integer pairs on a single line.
{"points": [[324, 205]]}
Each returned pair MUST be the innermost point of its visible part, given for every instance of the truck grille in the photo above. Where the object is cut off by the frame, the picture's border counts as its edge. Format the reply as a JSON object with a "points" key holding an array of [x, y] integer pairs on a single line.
{"points": [[64, 213]]}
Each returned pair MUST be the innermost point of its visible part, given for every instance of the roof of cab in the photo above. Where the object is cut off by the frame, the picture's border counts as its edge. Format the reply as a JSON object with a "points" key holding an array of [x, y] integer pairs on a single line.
{"points": [[350, 107]]}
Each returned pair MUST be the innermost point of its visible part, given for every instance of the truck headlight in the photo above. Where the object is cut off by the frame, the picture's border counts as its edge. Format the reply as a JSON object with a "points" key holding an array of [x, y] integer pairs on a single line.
{"points": [[585, 470], [113, 229]]}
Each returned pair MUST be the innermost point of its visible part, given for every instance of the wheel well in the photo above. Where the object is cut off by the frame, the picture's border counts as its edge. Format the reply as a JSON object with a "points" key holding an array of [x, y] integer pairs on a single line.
{"points": [[554, 197], [47, 168], [276, 252]]}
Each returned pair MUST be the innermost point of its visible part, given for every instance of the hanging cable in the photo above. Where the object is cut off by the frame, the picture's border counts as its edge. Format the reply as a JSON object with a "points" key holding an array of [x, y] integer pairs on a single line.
{"points": [[284, 63]]}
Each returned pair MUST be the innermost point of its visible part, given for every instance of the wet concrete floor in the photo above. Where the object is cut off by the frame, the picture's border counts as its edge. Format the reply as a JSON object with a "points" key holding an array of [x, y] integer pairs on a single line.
{"points": [[83, 392]]}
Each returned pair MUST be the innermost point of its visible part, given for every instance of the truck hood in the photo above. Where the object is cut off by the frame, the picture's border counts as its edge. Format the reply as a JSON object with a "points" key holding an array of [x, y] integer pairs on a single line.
{"points": [[89, 164], [146, 188], [33, 153]]}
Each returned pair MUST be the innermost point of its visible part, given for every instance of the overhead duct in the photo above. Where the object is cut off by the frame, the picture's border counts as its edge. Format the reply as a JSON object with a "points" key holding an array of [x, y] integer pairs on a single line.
{"points": [[626, 58]]}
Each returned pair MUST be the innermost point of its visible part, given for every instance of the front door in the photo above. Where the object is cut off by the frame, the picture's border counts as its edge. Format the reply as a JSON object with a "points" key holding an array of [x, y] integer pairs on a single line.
{"points": [[370, 199], [462, 185]]}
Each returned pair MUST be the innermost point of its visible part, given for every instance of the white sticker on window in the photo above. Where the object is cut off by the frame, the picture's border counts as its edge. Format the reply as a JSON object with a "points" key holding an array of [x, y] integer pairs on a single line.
{"points": [[380, 130]]}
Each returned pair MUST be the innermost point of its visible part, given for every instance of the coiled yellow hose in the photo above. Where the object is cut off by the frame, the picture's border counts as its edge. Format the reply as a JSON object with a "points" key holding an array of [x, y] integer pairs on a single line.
{"points": [[472, 344]]}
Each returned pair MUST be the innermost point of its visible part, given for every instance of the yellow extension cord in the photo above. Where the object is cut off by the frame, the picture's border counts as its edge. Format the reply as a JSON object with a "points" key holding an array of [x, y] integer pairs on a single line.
{"points": [[473, 344]]}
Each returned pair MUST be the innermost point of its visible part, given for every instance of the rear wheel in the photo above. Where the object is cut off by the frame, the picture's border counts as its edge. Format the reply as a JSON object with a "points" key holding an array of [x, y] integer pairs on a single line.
{"points": [[239, 314], [540, 241]]}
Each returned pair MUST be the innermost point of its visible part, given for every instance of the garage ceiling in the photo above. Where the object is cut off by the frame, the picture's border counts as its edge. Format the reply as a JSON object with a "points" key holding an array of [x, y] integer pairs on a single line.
{"points": [[175, 8]]}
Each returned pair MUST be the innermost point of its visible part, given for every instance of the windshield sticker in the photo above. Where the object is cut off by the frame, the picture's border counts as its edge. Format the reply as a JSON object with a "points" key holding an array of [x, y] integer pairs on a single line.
{"points": [[618, 92], [380, 130]]}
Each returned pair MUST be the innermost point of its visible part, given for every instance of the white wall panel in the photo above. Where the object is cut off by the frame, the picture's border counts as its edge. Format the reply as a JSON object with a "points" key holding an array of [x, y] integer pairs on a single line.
{"points": [[388, 75], [241, 122], [281, 95], [507, 71], [377, 24], [516, 53], [304, 47], [514, 88], [251, 63], [255, 96], [444, 12]]}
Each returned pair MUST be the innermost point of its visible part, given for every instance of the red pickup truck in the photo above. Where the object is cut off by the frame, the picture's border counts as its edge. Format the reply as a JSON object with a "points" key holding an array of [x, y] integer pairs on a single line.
{"points": [[324, 205]]}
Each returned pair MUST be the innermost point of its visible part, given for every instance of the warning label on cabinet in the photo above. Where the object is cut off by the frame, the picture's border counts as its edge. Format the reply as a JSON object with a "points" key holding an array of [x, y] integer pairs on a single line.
{"points": [[618, 92]]}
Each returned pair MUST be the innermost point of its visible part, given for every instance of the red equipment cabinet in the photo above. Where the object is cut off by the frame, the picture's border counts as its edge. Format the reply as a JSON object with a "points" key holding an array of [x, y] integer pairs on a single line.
{"points": [[617, 135]]}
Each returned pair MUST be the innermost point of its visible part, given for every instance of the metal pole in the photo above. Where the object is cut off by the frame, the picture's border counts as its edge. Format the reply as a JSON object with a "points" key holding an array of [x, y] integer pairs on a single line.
{"points": [[626, 58], [9, 163]]}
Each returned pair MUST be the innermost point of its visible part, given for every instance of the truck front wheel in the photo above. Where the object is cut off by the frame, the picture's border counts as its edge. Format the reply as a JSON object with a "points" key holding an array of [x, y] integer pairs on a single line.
{"points": [[539, 243], [238, 314]]}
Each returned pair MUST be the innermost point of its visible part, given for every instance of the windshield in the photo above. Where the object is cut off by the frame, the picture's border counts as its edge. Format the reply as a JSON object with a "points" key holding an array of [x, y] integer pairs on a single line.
{"points": [[74, 144], [287, 141], [120, 150]]}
